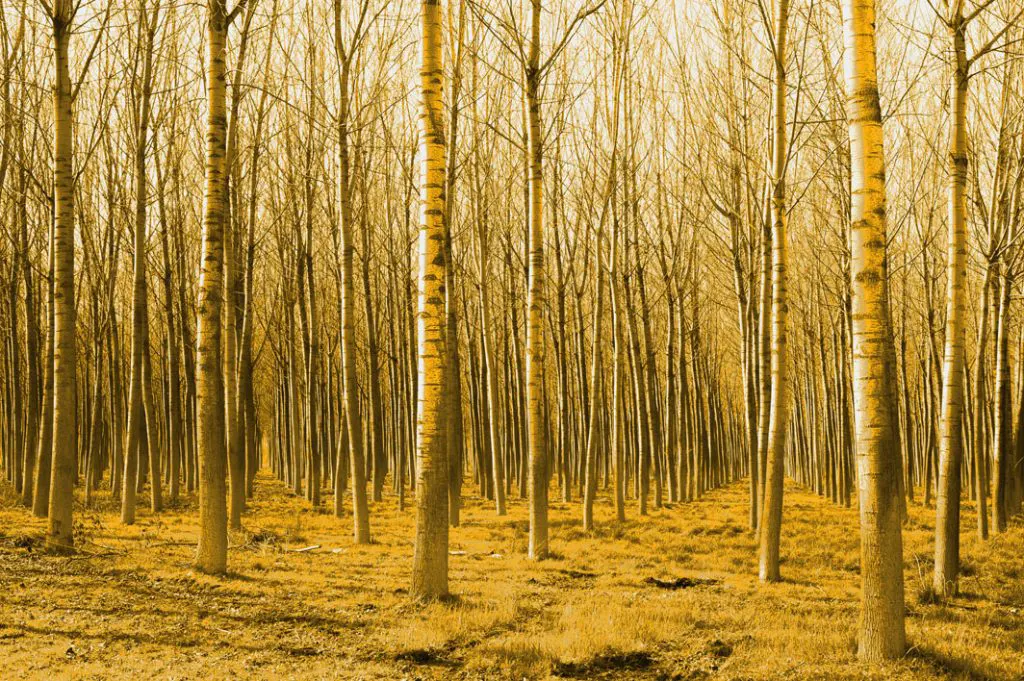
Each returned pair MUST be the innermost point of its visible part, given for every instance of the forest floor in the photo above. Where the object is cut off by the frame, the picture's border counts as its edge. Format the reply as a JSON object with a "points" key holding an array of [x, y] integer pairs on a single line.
{"points": [[130, 605]]}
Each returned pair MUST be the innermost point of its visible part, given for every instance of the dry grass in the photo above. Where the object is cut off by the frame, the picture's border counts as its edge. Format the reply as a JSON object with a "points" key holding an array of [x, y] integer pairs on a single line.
{"points": [[129, 605]]}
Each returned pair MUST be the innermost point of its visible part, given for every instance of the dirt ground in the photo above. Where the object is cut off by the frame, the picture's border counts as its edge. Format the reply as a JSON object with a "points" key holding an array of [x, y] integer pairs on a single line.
{"points": [[670, 596]]}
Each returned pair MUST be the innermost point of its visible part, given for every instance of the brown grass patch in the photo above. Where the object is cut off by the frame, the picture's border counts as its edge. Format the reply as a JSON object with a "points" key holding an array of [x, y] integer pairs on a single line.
{"points": [[130, 605]]}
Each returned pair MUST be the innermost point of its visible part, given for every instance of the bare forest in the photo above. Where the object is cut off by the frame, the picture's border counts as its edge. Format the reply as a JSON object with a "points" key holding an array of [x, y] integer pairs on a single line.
{"points": [[512, 339]]}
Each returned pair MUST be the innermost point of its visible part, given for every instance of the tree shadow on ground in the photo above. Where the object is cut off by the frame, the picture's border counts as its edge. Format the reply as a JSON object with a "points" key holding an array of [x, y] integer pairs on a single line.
{"points": [[949, 664]]}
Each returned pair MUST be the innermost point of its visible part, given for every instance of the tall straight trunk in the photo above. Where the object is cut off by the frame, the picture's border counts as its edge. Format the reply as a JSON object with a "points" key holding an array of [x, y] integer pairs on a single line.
{"points": [[594, 427], [908, 421], [6, 424], [517, 404], [845, 419], [1002, 435], [750, 387], [10, 420], [212, 552], [927, 459], [574, 464], [307, 312], [616, 452], [174, 416], [487, 341], [292, 395], [377, 458], [979, 399], [93, 468], [114, 377], [62, 479], [33, 397], [41, 499], [881, 632], [454, 426], [247, 393], [397, 385], [152, 438], [636, 362], [245, 370], [685, 398], [537, 446], [430, 556], [138, 409], [233, 283], [567, 414], [190, 408], [15, 421], [771, 522], [764, 355], [314, 423], [573, 420], [671, 398], [350, 385], [305, 285], [745, 307], [947, 500], [654, 414], [701, 452], [376, 424]]}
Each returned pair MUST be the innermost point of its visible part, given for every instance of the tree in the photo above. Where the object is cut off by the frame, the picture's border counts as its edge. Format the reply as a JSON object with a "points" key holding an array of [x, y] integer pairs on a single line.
{"points": [[881, 633], [59, 531], [951, 443], [430, 557], [595, 428], [140, 409], [534, 71], [771, 522], [212, 552], [345, 248], [535, 342], [234, 419]]}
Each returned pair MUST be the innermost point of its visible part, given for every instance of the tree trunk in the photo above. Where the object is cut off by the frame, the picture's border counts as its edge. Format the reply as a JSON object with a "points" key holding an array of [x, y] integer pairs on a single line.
{"points": [[1002, 438], [535, 342], [212, 552], [29, 453], [771, 521], [138, 411], [353, 420], [881, 633], [59, 531], [41, 500], [430, 557], [174, 441], [947, 500]]}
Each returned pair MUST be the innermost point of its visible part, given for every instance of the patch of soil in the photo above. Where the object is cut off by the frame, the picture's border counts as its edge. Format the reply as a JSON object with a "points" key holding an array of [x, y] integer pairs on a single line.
{"points": [[439, 656], [680, 583], [606, 662], [719, 648], [30, 542]]}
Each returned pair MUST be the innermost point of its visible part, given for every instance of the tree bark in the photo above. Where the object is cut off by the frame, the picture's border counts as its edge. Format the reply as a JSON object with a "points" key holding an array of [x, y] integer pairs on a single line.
{"points": [[430, 557], [59, 530], [771, 521], [881, 633], [212, 552], [947, 500]]}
